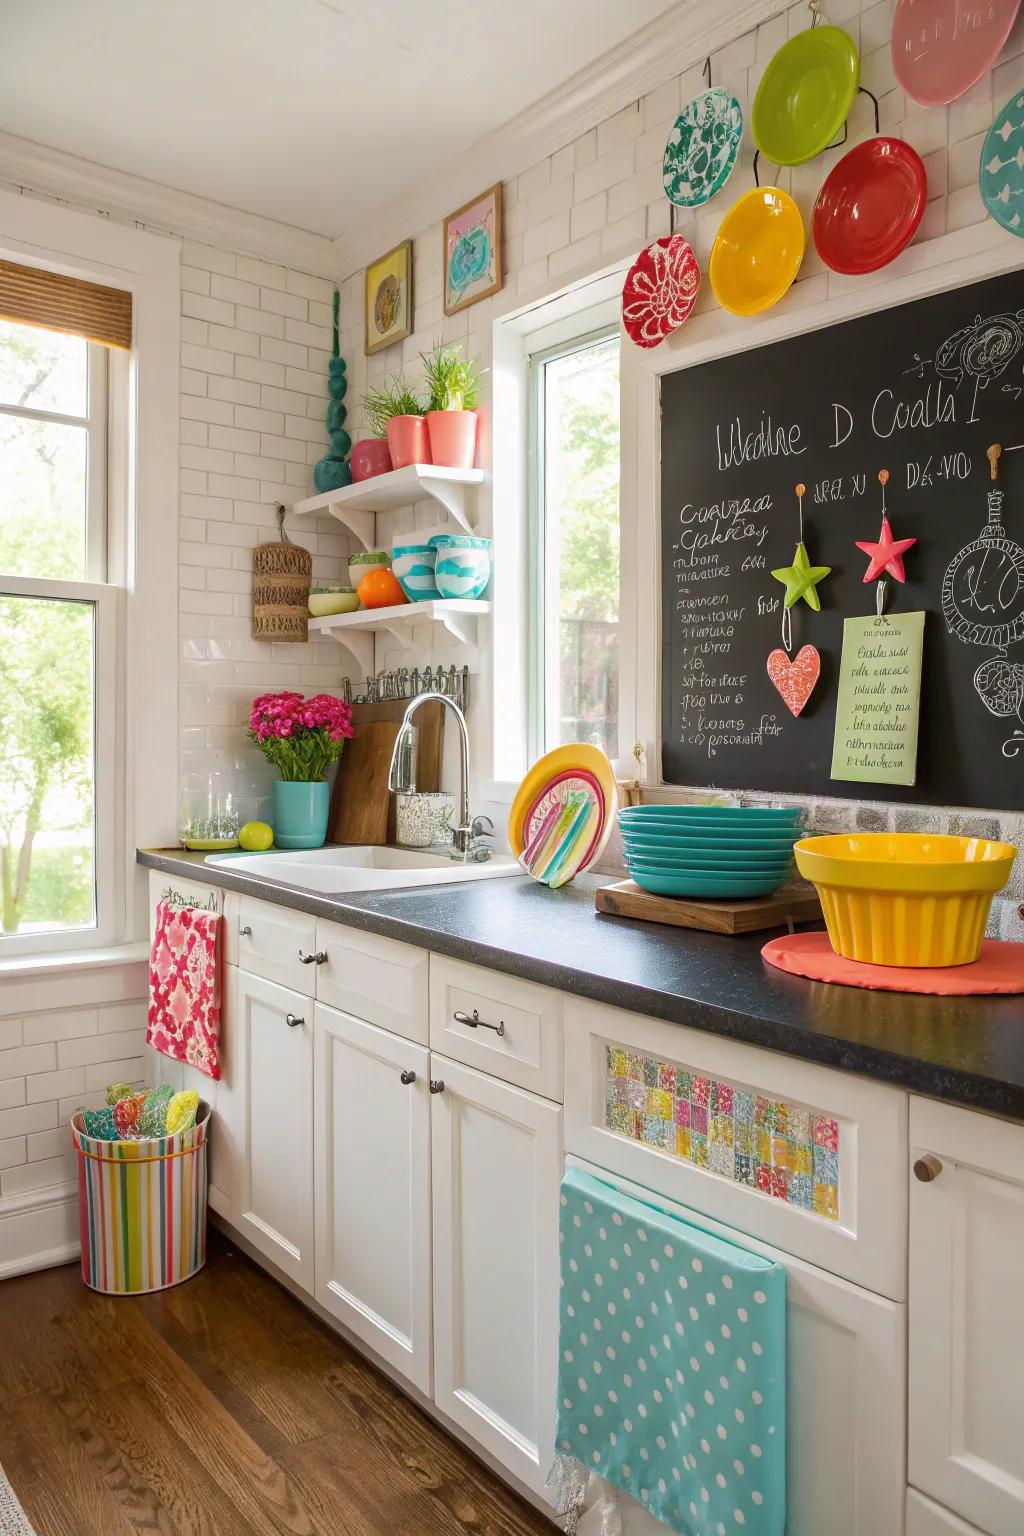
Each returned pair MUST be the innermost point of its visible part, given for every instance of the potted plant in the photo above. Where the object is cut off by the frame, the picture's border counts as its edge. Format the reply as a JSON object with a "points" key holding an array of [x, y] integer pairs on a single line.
{"points": [[395, 412], [453, 386], [301, 738]]}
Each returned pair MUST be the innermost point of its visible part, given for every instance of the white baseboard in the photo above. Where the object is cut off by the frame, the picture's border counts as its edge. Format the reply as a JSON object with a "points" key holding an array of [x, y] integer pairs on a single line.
{"points": [[38, 1229]]}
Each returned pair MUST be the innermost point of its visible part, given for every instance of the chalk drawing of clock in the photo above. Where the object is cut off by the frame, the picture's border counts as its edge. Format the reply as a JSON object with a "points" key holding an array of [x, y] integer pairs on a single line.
{"points": [[983, 587]]}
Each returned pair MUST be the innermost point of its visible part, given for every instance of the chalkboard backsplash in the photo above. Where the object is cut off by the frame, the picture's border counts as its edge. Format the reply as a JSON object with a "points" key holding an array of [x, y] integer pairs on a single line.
{"points": [[920, 390]]}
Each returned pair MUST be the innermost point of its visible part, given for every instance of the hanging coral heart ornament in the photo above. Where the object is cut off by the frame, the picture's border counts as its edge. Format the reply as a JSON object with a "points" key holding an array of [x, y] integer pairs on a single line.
{"points": [[796, 679]]}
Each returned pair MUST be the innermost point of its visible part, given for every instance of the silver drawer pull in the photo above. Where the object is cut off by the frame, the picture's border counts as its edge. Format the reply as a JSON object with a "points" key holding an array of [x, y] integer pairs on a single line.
{"points": [[476, 1022], [245, 933], [292, 1021], [315, 959]]}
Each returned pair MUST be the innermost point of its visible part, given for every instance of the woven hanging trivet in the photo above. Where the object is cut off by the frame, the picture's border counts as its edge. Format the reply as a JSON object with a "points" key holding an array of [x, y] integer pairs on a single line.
{"points": [[281, 577]]}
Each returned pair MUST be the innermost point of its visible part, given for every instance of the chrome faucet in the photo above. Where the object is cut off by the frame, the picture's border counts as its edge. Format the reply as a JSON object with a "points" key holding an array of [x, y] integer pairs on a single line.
{"points": [[467, 842]]}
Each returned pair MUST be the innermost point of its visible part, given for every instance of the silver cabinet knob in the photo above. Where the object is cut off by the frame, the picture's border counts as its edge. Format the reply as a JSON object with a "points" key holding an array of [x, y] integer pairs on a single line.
{"points": [[437, 1085], [317, 958], [476, 1022], [408, 1077], [293, 1022], [927, 1168], [245, 933]]}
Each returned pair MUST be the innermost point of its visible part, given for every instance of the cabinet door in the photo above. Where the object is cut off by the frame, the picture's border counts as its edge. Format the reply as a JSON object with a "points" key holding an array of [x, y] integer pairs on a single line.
{"points": [[497, 1165], [845, 1395], [966, 1329], [372, 1181], [274, 1030], [225, 1129], [927, 1519]]}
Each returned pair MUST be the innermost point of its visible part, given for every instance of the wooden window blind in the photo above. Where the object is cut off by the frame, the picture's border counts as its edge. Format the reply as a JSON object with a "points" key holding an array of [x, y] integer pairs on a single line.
{"points": [[32, 296]]}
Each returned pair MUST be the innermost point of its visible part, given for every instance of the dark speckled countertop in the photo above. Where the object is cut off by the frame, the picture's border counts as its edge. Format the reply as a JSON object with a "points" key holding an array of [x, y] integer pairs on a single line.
{"points": [[967, 1050]]}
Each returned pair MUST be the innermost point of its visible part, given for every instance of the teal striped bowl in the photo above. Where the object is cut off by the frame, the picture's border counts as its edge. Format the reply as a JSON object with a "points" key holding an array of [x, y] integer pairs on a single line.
{"points": [[414, 565], [463, 564]]}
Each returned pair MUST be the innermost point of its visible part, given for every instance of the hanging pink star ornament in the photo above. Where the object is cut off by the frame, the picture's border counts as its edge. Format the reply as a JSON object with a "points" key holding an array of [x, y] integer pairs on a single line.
{"points": [[886, 556]]}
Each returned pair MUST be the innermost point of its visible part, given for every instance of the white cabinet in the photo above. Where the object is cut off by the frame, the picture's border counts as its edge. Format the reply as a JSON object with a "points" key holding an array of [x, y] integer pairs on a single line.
{"points": [[274, 1039], [927, 1519], [372, 1181], [497, 1165], [845, 1398], [371, 978], [966, 1326]]}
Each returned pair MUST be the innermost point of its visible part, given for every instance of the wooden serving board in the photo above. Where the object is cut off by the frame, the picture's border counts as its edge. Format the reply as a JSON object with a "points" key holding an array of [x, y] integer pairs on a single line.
{"points": [[781, 909], [362, 807]]}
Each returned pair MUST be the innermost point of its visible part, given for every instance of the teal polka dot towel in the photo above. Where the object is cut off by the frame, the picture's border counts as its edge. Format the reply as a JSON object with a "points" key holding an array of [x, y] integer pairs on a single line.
{"points": [[672, 1365]]}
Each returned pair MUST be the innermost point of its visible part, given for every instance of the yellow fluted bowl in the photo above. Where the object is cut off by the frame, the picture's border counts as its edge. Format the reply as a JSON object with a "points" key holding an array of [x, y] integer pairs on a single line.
{"points": [[905, 898]]}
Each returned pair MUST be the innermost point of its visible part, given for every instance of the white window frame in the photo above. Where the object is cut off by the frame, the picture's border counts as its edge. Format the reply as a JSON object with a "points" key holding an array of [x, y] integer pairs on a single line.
{"points": [[136, 598]]}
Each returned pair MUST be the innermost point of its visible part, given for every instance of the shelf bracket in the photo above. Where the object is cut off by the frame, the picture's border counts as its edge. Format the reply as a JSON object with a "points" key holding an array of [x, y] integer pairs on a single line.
{"points": [[461, 626], [362, 525], [359, 644], [455, 500]]}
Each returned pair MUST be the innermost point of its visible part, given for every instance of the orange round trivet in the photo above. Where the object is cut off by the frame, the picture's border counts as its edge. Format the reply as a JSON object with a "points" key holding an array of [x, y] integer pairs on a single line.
{"points": [[1000, 968]]}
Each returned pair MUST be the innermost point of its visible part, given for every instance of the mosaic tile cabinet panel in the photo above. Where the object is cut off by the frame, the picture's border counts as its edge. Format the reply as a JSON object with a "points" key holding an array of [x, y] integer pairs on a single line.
{"points": [[782, 1150]]}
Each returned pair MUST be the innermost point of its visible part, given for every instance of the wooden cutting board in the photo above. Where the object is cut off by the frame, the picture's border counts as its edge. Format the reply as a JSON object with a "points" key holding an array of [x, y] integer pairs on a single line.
{"points": [[780, 910], [362, 807]]}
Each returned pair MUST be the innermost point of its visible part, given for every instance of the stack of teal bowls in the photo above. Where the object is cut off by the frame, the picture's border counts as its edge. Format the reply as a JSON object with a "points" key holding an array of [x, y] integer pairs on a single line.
{"points": [[708, 850]]}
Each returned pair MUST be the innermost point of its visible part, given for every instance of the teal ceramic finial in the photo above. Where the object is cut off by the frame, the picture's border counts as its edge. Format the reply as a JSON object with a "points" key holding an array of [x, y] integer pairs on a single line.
{"points": [[333, 471]]}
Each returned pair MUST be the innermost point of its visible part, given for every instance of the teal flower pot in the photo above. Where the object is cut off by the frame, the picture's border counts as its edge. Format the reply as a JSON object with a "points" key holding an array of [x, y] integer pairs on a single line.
{"points": [[300, 814]]}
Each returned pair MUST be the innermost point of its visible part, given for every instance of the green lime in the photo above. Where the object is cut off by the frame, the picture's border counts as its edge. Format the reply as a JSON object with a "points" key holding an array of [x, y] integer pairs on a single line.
{"points": [[256, 837]]}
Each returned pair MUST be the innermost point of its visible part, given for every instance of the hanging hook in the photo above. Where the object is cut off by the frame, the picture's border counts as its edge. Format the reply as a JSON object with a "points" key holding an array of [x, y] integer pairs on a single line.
{"points": [[883, 480], [707, 70], [814, 6], [280, 522], [787, 629], [994, 453], [800, 492], [880, 594], [672, 208], [757, 179]]}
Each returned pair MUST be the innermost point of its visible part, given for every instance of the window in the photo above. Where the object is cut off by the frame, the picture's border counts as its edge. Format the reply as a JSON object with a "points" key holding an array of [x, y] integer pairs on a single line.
{"points": [[58, 620], [575, 538]]}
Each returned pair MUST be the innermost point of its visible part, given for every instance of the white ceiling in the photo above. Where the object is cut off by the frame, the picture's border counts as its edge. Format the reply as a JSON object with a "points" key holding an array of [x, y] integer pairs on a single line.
{"points": [[313, 112]]}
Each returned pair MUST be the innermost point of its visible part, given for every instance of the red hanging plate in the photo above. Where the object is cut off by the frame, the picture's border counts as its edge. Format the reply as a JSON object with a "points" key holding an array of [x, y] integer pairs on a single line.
{"points": [[660, 290], [870, 206]]}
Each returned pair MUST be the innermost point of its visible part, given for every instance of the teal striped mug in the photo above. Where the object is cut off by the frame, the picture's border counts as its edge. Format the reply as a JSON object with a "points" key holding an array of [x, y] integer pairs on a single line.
{"points": [[413, 564], [463, 564]]}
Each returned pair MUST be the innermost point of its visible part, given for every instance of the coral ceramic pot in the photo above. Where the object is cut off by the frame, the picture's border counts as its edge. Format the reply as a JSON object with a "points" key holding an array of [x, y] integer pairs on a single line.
{"points": [[453, 438], [408, 441], [370, 457]]}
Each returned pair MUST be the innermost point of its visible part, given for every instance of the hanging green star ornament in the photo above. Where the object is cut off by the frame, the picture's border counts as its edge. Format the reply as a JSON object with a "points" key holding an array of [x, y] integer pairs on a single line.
{"points": [[333, 471], [801, 578]]}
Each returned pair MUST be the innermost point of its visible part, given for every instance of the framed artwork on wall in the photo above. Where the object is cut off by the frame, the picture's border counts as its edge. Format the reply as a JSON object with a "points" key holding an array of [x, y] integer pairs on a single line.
{"points": [[472, 251], [389, 311]]}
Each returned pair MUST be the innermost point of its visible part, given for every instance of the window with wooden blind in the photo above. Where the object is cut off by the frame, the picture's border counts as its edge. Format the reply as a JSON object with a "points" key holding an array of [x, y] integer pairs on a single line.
{"points": [[58, 607]]}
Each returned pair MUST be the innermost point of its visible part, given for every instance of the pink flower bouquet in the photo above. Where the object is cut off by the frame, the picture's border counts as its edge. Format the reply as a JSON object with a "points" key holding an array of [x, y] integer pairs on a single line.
{"points": [[301, 737]]}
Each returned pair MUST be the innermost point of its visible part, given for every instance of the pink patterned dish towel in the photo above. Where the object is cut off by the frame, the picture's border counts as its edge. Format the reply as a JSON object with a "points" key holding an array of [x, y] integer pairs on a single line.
{"points": [[184, 987]]}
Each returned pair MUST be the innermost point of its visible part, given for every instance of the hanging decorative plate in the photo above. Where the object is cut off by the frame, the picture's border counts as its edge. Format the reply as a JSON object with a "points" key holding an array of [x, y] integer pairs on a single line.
{"points": [[757, 251], [805, 95], [701, 151], [660, 290], [940, 48], [1001, 172], [563, 812], [870, 206]]}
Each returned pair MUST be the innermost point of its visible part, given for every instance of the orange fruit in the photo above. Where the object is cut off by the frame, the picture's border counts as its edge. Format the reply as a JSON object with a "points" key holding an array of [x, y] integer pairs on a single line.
{"points": [[380, 589]]}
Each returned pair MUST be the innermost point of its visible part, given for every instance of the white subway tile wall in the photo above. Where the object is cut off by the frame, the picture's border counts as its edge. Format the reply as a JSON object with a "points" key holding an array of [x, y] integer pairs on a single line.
{"points": [[50, 1065]]}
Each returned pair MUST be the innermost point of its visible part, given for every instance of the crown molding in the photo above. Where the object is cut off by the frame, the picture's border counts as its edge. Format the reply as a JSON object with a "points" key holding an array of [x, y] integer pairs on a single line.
{"points": [[116, 194], [666, 47]]}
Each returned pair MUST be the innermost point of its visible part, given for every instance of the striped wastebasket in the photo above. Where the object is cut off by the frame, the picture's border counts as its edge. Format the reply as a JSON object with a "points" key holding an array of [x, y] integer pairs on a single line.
{"points": [[142, 1208]]}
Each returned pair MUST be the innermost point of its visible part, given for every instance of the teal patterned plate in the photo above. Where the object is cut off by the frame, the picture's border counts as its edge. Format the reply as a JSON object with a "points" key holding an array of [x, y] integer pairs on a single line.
{"points": [[702, 148], [1001, 172]]}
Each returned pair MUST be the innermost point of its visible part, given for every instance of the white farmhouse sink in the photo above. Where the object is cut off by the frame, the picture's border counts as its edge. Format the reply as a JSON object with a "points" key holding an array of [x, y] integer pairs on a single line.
{"points": [[361, 869]]}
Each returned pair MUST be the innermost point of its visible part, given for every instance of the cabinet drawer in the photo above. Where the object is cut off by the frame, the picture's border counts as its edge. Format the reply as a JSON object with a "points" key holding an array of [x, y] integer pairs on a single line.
{"points": [[498, 1024], [372, 978], [212, 898], [927, 1519], [272, 941], [809, 1160]]}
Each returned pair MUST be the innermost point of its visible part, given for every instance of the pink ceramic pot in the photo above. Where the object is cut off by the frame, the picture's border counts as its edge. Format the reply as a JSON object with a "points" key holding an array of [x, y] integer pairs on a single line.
{"points": [[453, 438], [408, 441], [370, 457]]}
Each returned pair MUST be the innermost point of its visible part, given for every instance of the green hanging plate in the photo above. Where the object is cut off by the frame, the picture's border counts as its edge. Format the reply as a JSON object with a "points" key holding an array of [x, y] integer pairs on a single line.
{"points": [[702, 148], [805, 95], [1001, 172]]}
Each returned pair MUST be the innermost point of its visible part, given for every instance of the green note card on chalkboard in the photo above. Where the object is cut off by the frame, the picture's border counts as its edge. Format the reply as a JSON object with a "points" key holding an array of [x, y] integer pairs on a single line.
{"points": [[879, 699]]}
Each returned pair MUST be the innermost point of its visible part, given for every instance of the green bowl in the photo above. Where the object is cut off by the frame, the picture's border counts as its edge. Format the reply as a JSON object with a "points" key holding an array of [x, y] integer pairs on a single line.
{"points": [[805, 95], [697, 883]]}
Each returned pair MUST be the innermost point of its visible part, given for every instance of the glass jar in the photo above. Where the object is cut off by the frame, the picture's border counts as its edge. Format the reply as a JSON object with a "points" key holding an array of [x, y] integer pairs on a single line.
{"points": [[210, 811]]}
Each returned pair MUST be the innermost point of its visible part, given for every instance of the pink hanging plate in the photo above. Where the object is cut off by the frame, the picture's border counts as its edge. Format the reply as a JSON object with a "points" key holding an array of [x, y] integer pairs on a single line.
{"points": [[660, 290], [940, 48]]}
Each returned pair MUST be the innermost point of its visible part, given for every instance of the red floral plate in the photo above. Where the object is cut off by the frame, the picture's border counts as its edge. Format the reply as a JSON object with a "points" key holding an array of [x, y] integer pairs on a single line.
{"points": [[870, 206], [660, 290]]}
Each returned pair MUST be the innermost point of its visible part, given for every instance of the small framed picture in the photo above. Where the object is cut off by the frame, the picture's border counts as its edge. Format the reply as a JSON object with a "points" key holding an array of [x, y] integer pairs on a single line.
{"points": [[389, 313], [472, 251]]}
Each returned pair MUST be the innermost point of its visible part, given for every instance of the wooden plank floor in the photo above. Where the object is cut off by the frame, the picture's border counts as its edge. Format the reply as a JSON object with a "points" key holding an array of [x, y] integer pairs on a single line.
{"points": [[220, 1408]]}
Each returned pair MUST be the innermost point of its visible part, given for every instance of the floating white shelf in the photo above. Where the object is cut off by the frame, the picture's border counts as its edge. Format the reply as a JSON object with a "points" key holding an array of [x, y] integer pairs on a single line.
{"points": [[357, 505], [355, 631]]}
